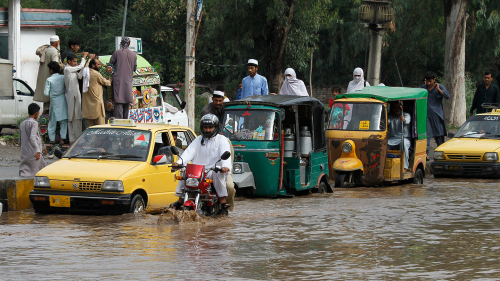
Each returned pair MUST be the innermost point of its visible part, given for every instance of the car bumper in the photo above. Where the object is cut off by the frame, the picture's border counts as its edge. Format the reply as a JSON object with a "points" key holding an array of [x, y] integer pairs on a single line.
{"points": [[81, 202], [443, 168]]}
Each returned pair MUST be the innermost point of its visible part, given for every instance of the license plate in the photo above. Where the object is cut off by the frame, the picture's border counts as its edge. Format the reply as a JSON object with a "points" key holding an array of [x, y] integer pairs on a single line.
{"points": [[59, 201], [453, 167]]}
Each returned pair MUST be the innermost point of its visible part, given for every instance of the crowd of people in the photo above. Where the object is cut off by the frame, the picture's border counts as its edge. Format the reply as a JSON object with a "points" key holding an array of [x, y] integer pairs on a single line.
{"points": [[72, 96]]}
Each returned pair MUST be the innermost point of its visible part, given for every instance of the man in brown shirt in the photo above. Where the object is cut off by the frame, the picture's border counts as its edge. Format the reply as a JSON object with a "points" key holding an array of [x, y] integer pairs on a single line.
{"points": [[92, 102], [125, 62]]}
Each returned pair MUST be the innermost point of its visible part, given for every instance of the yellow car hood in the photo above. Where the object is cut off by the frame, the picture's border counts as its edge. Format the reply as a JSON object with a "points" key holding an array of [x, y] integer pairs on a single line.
{"points": [[469, 145], [87, 170]]}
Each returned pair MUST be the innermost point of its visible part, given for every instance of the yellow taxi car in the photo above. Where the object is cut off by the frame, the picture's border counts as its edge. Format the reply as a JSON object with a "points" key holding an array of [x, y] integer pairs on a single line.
{"points": [[473, 150], [114, 168]]}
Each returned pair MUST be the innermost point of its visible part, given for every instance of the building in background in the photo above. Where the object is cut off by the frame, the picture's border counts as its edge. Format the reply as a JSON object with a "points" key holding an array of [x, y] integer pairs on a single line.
{"points": [[37, 25]]}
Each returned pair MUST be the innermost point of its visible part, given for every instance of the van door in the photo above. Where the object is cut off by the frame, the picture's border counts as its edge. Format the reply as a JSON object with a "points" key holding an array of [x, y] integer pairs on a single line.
{"points": [[23, 96]]}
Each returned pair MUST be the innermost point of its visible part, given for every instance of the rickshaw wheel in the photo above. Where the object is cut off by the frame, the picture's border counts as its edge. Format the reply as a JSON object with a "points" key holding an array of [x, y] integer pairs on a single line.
{"points": [[344, 180], [321, 188], [419, 177]]}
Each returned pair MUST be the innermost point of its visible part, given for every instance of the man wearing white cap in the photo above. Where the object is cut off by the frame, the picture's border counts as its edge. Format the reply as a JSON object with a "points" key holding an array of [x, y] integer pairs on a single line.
{"points": [[254, 84], [215, 107], [47, 54]]}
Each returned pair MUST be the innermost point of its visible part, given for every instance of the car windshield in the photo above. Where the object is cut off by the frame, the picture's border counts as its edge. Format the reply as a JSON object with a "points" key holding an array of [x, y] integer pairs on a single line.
{"points": [[357, 117], [480, 126], [111, 143], [251, 125]]}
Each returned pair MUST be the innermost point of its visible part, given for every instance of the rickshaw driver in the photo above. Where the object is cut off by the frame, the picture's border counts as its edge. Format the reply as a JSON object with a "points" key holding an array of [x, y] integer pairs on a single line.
{"points": [[396, 116], [206, 150]]}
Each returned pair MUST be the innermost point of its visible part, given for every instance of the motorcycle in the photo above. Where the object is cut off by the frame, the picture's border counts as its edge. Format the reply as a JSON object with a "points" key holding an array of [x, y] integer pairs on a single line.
{"points": [[200, 195]]}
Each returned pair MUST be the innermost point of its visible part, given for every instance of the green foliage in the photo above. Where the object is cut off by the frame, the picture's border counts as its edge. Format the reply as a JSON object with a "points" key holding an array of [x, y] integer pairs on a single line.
{"points": [[470, 90]]}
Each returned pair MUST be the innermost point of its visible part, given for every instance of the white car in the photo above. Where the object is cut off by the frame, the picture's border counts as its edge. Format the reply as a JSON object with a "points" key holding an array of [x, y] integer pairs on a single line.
{"points": [[12, 108]]}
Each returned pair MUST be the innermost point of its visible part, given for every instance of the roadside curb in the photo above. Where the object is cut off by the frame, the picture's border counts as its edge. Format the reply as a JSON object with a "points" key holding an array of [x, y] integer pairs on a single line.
{"points": [[14, 193]]}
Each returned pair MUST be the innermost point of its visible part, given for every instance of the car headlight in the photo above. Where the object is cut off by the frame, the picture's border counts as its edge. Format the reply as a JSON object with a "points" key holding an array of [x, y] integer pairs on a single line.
{"points": [[438, 155], [112, 186], [192, 182], [346, 147], [237, 168], [490, 156], [42, 182]]}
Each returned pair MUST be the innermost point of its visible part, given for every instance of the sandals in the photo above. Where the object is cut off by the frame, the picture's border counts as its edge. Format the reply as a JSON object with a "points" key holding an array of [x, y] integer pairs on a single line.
{"points": [[223, 209], [176, 205]]}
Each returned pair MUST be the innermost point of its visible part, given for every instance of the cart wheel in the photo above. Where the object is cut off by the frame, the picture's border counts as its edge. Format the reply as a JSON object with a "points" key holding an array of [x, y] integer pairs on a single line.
{"points": [[344, 180], [137, 205], [321, 188], [419, 177]]}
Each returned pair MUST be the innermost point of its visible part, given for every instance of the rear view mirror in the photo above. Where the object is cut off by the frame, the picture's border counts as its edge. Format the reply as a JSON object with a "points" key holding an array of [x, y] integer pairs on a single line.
{"points": [[174, 150], [225, 155], [451, 135], [160, 159], [58, 153]]}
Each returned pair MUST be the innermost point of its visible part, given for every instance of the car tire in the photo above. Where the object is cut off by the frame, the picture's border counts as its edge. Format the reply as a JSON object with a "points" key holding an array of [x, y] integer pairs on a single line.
{"points": [[137, 205], [418, 178]]}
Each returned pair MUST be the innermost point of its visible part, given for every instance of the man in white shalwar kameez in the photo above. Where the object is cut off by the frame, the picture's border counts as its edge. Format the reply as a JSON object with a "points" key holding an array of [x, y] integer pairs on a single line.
{"points": [[31, 144], [206, 150], [73, 97], [358, 82], [293, 86]]}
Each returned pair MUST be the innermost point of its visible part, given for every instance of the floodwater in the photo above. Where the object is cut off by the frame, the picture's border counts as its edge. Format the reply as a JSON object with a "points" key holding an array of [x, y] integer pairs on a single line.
{"points": [[446, 229]]}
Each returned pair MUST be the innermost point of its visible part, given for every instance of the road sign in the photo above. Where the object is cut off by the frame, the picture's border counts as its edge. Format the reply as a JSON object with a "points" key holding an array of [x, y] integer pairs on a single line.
{"points": [[135, 44]]}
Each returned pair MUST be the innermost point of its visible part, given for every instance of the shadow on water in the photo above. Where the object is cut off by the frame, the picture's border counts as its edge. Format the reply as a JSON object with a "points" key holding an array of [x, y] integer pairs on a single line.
{"points": [[444, 229]]}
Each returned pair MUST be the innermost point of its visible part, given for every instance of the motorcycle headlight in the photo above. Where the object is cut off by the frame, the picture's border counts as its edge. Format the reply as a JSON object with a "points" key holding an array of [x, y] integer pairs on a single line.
{"points": [[237, 168], [112, 186], [42, 182], [490, 156], [192, 182], [438, 155], [346, 147]]}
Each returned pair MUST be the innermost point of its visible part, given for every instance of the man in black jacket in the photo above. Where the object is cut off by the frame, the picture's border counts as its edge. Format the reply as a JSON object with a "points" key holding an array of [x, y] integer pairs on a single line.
{"points": [[485, 93]]}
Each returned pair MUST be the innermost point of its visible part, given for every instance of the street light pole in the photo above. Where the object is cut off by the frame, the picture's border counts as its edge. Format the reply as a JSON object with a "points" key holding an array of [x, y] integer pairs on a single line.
{"points": [[99, 48]]}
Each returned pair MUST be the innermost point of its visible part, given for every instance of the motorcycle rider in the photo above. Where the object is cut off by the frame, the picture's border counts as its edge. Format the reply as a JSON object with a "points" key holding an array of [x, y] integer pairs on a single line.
{"points": [[206, 150]]}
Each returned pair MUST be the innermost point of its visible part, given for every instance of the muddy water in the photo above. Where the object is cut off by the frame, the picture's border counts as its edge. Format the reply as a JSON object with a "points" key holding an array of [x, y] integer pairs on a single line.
{"points": [[447, 229]]}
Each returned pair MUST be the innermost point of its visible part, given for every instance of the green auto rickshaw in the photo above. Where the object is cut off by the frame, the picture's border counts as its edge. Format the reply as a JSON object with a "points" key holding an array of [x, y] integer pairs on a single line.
{"points": [[279, 145]]}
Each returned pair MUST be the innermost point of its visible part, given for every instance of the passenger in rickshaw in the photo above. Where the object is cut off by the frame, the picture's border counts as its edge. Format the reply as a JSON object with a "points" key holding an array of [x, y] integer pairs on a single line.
{"points": [[396, 116]]}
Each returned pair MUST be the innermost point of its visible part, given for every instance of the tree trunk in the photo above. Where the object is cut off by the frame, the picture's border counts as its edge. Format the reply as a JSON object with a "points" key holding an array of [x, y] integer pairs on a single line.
{"points": [[454, 61], [279, 35]]}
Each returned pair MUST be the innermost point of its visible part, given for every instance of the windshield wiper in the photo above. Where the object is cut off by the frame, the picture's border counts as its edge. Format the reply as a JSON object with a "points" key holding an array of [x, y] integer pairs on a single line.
{"points": [[90, 153], [119, 156]]}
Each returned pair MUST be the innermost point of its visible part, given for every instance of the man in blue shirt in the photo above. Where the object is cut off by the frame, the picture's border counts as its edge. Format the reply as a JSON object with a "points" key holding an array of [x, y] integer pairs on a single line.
{"points": [[254, 84], [58, 112], [238, 93]]}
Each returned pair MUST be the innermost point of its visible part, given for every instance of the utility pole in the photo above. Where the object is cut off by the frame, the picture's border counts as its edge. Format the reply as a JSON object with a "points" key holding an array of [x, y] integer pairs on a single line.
{"points": [[377, 16], [15, 35], [189, 85], [124, 18]]}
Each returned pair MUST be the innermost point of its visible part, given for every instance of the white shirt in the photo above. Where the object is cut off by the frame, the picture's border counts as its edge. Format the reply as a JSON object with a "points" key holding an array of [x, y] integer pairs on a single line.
{"points": [[208, 153]]}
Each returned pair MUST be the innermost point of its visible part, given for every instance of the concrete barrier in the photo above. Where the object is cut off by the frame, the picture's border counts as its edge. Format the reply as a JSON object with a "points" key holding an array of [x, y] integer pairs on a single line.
{"points": [[14, 193]]}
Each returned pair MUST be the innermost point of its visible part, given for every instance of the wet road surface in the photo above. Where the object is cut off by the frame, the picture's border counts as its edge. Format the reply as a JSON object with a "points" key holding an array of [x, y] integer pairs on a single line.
{"points": [[446, 229]]}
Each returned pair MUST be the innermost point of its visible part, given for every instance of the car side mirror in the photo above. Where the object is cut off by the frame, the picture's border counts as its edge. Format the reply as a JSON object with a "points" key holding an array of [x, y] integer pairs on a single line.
{"points": [[58, 153], [174, 150], [225, 155], [160, 159], [451, 135]]}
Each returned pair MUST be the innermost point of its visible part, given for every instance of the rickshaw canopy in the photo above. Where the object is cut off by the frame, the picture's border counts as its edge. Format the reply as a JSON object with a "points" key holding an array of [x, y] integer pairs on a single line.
{"points": [[388, 94], [277, 101]]}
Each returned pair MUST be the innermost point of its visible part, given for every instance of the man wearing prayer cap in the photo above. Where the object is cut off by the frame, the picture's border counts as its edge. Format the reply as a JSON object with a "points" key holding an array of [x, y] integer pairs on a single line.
{"points": [[358, 82], [125, 62], [220, 88], [293, 86], [254, 84], [47, 54], [215, 107]]}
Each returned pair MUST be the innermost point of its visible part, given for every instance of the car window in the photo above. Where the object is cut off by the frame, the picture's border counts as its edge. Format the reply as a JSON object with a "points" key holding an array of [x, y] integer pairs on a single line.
{"points": [[21, 88], [183, 139]]}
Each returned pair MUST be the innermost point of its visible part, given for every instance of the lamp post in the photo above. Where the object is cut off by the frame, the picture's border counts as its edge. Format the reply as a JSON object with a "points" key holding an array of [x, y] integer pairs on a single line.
{"points": [[377, 15], [99, 48]]}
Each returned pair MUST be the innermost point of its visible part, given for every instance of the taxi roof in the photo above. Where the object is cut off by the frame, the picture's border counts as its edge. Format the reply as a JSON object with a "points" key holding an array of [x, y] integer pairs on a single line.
{"points": [[387, 94], [145, 126]]}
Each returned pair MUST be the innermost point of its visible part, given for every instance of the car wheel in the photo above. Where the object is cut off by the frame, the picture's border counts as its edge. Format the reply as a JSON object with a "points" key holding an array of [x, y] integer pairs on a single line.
{"points": [[321, 188], [419, 177], [137, 205]]}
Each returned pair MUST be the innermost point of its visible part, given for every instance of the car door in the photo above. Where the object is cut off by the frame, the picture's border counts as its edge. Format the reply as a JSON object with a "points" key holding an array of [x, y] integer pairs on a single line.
{"points": [[163, 182], [23, 96]]}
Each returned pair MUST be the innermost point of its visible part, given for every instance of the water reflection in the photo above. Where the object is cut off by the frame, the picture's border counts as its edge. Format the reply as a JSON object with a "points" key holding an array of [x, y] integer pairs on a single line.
{"points": [[446, 229]]}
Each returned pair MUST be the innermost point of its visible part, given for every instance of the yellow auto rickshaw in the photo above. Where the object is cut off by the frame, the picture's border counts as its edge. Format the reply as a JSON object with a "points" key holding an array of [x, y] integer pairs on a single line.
{"points": [[368, 141]]}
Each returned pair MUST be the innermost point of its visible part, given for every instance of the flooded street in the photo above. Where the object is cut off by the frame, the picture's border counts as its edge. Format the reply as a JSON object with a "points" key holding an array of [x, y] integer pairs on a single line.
{"points": [[445, 229]]}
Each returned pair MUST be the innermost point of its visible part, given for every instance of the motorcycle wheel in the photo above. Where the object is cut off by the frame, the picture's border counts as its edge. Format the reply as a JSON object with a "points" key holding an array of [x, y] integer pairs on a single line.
{"points": [[188, 208]]}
